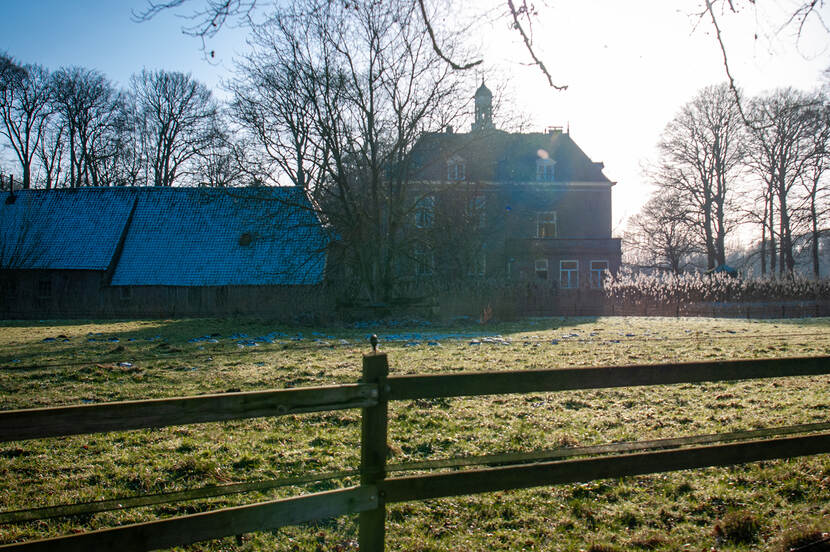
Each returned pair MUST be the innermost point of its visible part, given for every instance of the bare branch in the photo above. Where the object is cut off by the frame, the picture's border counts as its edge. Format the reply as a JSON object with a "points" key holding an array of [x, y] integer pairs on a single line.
{"points": [[731, 79], [437, 48], [528, 44]]}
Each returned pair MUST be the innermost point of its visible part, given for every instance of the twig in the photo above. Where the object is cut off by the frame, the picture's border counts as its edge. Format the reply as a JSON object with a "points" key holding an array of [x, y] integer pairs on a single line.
{"points": [[437, 48], [518, 26]]}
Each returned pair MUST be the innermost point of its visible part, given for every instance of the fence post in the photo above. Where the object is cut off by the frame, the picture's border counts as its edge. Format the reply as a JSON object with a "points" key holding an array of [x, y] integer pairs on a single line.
{"points": [[373, 446]]}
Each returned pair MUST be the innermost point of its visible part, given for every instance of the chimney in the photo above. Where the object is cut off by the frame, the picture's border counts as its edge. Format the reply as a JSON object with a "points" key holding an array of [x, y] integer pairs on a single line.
{"points": [[449, 129]]}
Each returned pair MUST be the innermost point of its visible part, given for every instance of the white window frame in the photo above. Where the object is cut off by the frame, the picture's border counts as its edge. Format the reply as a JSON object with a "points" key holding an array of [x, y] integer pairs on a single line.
{"points": [[569, 277], [478, 265], [424, 261], [541, 266], [456, 169], [476, 209], [544, 218], [545, 170], [425, 212], [598, 275]]}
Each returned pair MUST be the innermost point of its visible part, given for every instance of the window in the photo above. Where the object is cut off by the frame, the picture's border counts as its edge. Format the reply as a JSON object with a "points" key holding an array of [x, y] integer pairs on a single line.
{"points": [[541, 266], [126, 293], [546, 225], [569, 274], [545, 170], [424, 261], [477, 264], [599, 270], [476, 207], [44, 289], [425, 212], [456, 168]]}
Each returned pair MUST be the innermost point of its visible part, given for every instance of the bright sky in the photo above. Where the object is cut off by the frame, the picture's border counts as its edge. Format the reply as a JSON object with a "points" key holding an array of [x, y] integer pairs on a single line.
{"points": [[629, 66]]}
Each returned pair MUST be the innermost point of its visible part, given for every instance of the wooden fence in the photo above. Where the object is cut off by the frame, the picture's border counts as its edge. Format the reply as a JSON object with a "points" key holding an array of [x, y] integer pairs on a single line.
{"points": [[377, 488]]}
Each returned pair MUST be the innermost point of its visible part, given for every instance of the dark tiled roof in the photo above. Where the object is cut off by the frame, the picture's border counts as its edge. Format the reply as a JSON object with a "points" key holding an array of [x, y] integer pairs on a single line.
{"points": [[69, 229], [499, 156], [185, 236]]}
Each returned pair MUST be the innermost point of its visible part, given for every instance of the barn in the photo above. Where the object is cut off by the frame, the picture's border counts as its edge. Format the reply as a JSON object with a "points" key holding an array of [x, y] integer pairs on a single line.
{"points": [[159, 252]]}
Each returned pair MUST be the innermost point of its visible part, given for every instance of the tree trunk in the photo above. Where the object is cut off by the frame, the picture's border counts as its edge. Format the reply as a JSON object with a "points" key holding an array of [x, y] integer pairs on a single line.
{"points": [[772, 253], [815, 236]]}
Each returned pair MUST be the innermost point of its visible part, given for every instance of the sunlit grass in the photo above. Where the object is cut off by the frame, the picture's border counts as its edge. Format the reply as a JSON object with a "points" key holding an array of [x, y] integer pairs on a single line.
{"points": [[81, 362]]}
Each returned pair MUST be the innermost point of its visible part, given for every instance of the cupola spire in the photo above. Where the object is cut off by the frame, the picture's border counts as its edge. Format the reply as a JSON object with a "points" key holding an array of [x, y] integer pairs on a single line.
{"points": [[484, 108]]}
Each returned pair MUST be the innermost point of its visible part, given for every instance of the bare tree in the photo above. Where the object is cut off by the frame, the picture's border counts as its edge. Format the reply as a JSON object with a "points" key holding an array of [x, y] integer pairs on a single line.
{"points": [[51, 152], [660, 236], [336, 96], [11, 74], [784, 125], [209, 16], [224, 163], [701, 156], [274, 103], [93, 112], [814, 184], [177, 118], [801, 12], [25, 100], [207, 19]]}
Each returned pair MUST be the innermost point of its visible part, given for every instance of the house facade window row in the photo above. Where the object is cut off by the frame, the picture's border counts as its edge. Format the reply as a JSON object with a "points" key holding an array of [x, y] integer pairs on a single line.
{"points": [[569, 272], [457, 169], [475, 210], [425, 264]]}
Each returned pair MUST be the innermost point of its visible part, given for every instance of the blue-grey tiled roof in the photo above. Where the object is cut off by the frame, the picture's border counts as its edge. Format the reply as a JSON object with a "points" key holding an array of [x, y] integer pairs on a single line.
{"points": [[174, 236], [199, 237], [67, 229]]}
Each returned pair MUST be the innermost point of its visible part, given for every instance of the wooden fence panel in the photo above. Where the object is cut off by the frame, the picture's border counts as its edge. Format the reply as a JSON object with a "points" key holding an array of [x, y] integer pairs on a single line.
{"points": [[422, 487], [372, 395], [120, 416], [563, 379], [212, 525]]}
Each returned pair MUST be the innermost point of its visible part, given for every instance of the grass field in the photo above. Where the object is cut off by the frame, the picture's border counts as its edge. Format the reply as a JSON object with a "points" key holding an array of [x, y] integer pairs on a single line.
{"points": [[756, 506]]}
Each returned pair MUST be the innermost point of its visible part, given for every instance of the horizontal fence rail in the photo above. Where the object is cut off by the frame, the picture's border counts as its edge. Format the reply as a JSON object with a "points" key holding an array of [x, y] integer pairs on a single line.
{"points": [[127, 502], [569, 379], [183, 530], [37, 423], [610, 448], [422, 487]]}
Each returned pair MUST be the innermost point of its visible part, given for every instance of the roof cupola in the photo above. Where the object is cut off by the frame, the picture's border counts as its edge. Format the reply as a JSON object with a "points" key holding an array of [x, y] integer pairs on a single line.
{"points": [[484, 108]]}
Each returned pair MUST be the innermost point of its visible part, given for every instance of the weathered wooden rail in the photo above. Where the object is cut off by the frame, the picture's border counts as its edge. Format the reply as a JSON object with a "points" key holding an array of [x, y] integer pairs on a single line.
{"points": [[373, 394]]}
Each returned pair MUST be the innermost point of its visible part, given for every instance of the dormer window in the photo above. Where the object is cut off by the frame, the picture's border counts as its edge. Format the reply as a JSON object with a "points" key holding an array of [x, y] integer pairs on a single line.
{"points": [[456, 168], [545, 170]]}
